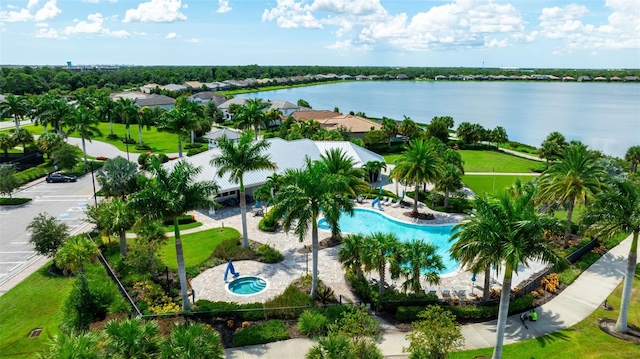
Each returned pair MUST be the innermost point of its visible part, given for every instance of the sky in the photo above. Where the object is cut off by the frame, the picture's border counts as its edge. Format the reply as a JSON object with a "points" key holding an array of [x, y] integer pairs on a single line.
{"points": [[603, 34]]}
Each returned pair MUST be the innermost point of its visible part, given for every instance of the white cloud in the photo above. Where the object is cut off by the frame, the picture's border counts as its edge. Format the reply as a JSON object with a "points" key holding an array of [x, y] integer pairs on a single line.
{"points": [[156, 11], [193, 41], [47, 34], [42, 24], [32, 13], [223, 6], [99, 1], [292, 14], [622, 30], [94, 25], [172, 35]]}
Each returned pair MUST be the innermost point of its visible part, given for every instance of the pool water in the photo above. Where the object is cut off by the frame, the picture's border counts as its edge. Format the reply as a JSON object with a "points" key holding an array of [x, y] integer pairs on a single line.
{"points": [[366, 222], [247, 285]]}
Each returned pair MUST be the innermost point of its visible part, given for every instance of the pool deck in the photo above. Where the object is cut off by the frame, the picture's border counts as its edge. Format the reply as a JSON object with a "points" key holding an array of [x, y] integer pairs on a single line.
{"points": [[210, 284]]}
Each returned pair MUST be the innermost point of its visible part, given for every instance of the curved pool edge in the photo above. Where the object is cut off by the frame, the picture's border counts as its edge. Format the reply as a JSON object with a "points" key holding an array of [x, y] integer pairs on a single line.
{"points": [[382, 213], [226, 286]]}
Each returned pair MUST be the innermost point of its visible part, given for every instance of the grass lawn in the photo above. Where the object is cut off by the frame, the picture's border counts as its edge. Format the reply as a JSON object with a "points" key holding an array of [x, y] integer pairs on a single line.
{"points": [[492, 161], [197, 247], [583, 340], [491, 184], [170, 228], [392, 157], [25, 308]]}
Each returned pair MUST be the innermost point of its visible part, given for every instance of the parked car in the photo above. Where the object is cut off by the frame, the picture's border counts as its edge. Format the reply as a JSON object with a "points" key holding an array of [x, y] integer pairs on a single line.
{"points": [[59, 177]]}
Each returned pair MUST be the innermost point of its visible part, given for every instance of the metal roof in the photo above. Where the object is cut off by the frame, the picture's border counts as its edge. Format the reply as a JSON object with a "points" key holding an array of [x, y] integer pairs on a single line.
{"points": [[285, 154]]}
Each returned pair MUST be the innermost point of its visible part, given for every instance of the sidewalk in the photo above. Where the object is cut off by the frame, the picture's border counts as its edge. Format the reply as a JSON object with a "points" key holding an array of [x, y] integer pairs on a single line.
{"points": [[571, 306]]}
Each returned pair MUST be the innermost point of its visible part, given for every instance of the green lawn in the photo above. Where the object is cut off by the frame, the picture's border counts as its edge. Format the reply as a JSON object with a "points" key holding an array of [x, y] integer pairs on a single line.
{"points": [[492, 161], [480, 184], [392, 157], [170, 228], [197, 247], [583, 340], [34, 303]]}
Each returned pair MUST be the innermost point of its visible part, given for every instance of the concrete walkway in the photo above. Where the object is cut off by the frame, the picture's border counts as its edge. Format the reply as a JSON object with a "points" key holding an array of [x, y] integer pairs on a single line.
{"points": [[571, 306]]}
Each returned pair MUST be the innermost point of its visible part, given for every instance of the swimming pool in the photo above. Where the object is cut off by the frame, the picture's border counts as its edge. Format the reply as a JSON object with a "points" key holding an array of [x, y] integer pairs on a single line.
{"points": [[249, 285], [366, 221]]}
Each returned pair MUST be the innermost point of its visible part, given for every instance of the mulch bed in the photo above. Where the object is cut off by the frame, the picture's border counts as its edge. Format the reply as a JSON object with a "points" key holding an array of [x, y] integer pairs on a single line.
{"points": [[323, 244], [608, 326], [419, 215]]}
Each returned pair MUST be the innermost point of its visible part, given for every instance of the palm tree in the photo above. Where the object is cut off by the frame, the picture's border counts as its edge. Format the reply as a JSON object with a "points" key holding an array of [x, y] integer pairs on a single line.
{"points": [[132, 338], [23, 137], [121, 219], [418, 164], [574, 177], [86, 125], [106, 110], [552, 146], [306, 192], [451, 181], [507, 231], [408, 128], [73, 345], [74, 252], [617, 210], [14, 106], [337, 162], [377, 250], [54, 110], [193, 341], [238, 159], [351, 252], [251, 114], [419, 256], [128, 112], [118, 177], [146, 117], [390, 128], [499, 135], [168, 196], [7, 142], [633, 156], [175, 121], [195, 114], [373, 169]]}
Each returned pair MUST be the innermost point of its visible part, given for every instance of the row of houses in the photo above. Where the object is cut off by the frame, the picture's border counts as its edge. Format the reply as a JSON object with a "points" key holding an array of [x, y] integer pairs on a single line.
{"points": [[536, 78]]}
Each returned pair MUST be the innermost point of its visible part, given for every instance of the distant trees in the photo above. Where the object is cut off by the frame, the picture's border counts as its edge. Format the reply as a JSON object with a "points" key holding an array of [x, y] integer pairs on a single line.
{"points": [[552, 146], [633, 157]]}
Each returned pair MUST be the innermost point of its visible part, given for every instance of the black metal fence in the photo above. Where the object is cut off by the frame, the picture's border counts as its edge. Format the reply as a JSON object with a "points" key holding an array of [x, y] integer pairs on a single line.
{"points": [[22, 161], [121, 287]]}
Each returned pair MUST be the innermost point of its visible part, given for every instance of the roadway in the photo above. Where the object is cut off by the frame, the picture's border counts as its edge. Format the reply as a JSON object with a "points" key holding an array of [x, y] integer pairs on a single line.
{"points": [[65, 201]]}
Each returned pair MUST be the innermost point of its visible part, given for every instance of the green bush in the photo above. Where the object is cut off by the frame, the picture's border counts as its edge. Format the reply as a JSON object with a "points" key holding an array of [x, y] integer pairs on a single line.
{"points": [[313, 324], [190, 146], [335, 312], [408, 314], [391, 300], [195, 151], [288, 305], [268, 254], [365, 291], [587, 260], [143, 148], [232, 250], [568, 275], [249, 311], [269, 223], [184, 219], [32, 174], [271, 331], [13, 201]]}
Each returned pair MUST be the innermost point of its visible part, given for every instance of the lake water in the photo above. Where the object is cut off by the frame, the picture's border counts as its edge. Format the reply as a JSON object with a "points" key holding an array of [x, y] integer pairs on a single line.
{"points": [[605, 116]]}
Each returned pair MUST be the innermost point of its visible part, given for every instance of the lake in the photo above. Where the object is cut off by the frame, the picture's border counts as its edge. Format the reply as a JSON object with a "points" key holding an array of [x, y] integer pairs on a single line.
{"points": [[605, 116]]}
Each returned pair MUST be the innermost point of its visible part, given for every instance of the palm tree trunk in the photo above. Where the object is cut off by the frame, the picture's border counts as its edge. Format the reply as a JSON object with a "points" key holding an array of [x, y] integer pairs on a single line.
{"points": [[415, 200], [446, 199], [417, 288], [503, 312], [16, 120], [567, 231], [621, 323], [140, 134], [382, 271], [110, 126], [193, 137], [182, 272], [314, 256], [243, 213], [84, 151], [486, 290], [179, 146], [255, 133], [123, 241]]}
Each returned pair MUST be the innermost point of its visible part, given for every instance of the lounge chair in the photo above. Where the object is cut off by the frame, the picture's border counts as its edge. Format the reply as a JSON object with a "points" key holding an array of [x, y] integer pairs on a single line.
{"points": [[432, 290], [396, 204], [445, 292], [460, 292], [387, 201]]}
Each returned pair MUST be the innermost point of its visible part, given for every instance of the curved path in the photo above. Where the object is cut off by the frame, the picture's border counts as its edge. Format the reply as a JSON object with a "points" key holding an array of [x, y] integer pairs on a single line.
{"points": [[571, 306]]}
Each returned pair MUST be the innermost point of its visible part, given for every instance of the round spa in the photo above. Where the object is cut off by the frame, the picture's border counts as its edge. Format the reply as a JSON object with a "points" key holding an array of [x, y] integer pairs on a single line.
{"points": [[248, 285]]}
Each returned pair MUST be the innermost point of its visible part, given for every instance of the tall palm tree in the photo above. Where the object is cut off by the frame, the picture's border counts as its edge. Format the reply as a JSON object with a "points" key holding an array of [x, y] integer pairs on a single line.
{"points": [[169, 195], [575, 177], [120, 219], [618, 210], [251, 114], [238, 158], [53, 110], [451, 181], [75, 252], [506, 231], [351, 252], [7, 142], [118, 177], [409, 129], [23, 137], [132, 338], [377, 251], [499, 135], [175, 121], [106, 110], [195, 114], [307, 192], [419, 164], [552, 146], [373, 169], [633, 156], [128, 112], [146, 117], [419, 256], [14, 106], [85, 124], [192, 341], [390, 128]]}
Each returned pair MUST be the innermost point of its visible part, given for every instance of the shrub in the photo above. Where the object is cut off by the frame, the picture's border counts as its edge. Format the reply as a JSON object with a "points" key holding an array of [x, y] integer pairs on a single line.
{"points": [[568, 275], [550, 282], [268, 223], [249, 311], [408, 314], [129, 140], [288, 305], [184, 219], [189, 146], [271, 331], [587, 260], [335, 312], [313, 324], [13, 201], [269, 254], [391, 300], [232, 250], [195, 151], [143, 148], [112, 136]]}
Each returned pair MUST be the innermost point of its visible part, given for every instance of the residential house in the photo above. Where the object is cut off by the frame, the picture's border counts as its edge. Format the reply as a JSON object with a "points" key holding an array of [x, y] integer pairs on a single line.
{"points": [[154, 100], [402, 77], [174, 87], [149, 87], [216, 86], [224, 107], [195, 85], [568, 78], [285, 154], [204, 97], [215, 134], [362, 77], [358, 126], [584, 79], [440, 78]]}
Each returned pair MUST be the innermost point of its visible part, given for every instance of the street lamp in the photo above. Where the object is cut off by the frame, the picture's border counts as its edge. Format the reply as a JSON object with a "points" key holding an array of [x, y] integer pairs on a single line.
{"points": [[126, 142], [93, 182]]}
